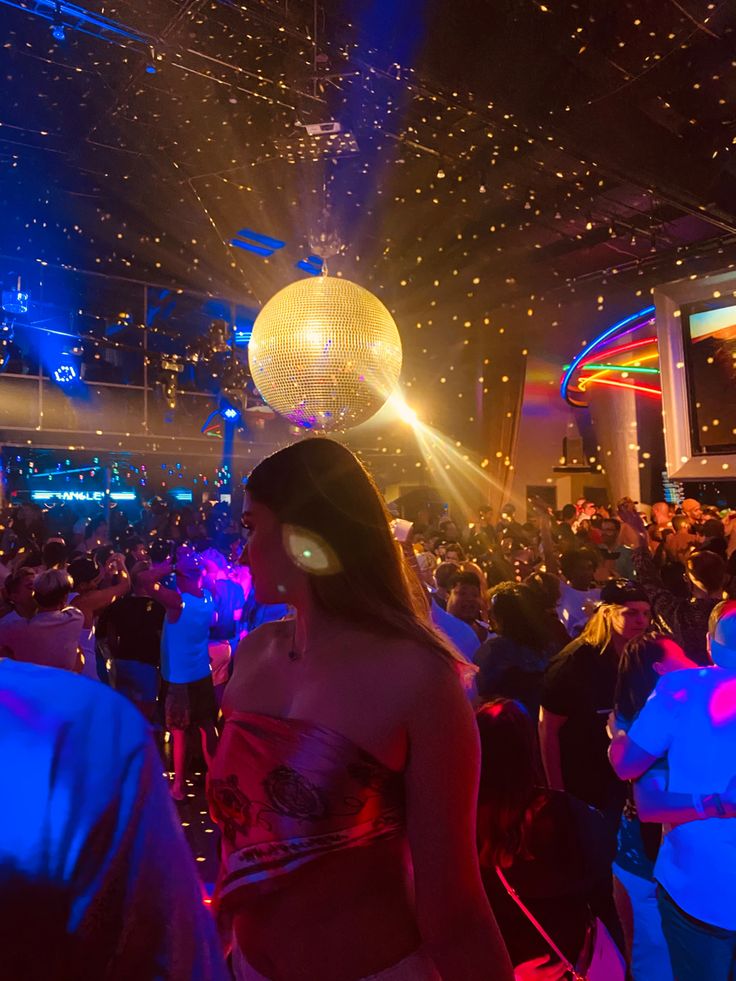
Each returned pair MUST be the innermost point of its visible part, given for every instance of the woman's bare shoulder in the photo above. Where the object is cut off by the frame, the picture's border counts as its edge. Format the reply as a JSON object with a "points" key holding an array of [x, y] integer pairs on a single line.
{"points": [[254, 678], [425, 672], [267, 632], [260, 645]]}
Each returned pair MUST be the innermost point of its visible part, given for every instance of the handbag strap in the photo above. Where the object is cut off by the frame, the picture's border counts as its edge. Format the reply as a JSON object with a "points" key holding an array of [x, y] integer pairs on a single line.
{"points": [[536, 924]]}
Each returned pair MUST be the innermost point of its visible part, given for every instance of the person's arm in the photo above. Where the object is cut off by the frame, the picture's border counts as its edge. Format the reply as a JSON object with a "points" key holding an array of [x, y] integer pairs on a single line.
{"points": [[170, 599], [455, 921], [540, 969], [549, 743], [150, 583], [628, 759], [148, 578], [91, 603], [549, 552], [632, 753], [656, 804], [646, 569]]}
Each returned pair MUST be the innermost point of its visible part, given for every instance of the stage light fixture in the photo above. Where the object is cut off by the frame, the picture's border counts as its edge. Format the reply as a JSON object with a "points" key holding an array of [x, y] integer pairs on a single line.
{"points": [[58, 32], [65, 374], [15, 301], [230, 412], [151, 67]]}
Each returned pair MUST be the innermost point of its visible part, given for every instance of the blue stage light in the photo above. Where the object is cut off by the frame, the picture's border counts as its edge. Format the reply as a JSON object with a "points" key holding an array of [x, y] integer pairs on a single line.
{"points": [[230, 411], [57, 25], [65, 374], [15, 301]]}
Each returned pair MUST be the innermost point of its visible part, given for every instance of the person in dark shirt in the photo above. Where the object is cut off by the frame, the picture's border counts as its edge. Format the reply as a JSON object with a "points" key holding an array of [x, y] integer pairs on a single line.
{"points": [[577, 698], [566, 538], [512, 663], [546, 589], [133, 628], [552, 849]]}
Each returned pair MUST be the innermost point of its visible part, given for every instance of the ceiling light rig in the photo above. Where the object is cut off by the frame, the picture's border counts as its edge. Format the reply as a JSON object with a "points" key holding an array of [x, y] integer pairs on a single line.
{"points": [[58, 31]]}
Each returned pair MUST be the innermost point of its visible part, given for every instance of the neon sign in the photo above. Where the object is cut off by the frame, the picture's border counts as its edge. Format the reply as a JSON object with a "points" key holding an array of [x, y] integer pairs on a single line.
{"points": [[94, 496], [595, 358]]}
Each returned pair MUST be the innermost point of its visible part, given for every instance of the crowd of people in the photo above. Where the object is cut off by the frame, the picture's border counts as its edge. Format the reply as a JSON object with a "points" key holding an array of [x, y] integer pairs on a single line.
{"points": [[499, 750]]}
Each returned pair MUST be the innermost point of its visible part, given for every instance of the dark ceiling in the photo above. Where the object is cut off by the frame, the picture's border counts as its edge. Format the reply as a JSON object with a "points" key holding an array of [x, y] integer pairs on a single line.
{"points": [[496, 156]]}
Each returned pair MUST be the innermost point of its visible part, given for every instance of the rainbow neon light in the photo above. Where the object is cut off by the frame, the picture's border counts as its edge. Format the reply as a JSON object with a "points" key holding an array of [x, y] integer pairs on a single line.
{"points": [[597, 357], [644, 389]]}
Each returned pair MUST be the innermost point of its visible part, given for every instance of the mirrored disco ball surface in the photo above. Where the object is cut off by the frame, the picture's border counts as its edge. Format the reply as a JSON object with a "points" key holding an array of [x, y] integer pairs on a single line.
{"points": [[325, 353]]}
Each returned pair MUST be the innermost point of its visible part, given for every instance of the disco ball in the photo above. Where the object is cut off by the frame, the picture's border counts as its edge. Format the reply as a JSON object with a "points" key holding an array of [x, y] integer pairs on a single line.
{"points": [[325, 353]]}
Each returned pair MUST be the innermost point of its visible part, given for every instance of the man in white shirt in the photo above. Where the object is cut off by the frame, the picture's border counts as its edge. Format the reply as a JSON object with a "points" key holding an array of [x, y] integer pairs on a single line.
{"points": [[51, 636], [96, 880], [690, 722], [578, 596]]}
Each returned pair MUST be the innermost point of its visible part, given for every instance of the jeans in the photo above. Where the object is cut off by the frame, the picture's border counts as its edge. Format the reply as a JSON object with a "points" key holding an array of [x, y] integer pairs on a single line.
{"points": [[650, 957], [699, 951]]}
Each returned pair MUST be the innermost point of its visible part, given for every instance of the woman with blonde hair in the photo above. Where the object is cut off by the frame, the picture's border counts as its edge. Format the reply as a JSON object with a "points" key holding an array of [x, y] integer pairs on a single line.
{"points": [[346, 778], [578, 695]]}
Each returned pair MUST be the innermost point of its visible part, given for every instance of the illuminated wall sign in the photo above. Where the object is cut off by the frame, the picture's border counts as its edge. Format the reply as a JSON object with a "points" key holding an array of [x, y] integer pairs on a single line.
{"points": [[95, 496]]}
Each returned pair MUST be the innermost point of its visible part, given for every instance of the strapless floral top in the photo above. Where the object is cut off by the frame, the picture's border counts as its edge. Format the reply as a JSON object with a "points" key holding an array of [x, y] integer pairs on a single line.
{"points": [[285, 792]]}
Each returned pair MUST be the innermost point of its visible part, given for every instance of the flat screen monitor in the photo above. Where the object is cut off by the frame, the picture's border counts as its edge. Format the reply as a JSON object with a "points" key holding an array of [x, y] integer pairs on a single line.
{"points": [[696, 334], [709, 346]]}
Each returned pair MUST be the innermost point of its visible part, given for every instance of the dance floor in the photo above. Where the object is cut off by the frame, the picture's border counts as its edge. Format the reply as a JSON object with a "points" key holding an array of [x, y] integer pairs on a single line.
{"points": [[200, 831]]}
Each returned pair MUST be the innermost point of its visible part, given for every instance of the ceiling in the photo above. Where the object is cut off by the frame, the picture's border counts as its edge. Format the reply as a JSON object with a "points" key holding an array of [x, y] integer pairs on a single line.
{"points": [[498, 164]]}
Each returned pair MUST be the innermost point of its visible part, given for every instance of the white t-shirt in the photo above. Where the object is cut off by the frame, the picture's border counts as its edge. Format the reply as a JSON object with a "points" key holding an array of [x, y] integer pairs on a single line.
{"points": [[690, 720], [576, 606], [49, 638], [96, 879]]}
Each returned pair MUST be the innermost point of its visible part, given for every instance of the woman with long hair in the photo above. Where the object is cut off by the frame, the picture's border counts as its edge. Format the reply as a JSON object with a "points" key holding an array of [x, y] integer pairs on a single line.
{"points": [[643, 662], [511, 663], [546, 590], [545, 845], [346, 778], [578, 696]]}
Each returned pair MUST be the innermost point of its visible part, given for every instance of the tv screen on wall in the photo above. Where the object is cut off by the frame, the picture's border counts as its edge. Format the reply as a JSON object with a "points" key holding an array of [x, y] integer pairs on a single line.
{"points": [[709, 343]]}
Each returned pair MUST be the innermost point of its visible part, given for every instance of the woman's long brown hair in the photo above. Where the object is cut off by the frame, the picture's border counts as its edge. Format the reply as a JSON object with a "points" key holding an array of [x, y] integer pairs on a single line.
{"points": [[317, 484]]}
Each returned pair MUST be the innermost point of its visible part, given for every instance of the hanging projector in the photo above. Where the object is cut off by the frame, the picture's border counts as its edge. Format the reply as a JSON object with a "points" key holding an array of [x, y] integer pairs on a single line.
{"points": [[323, 129]]}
